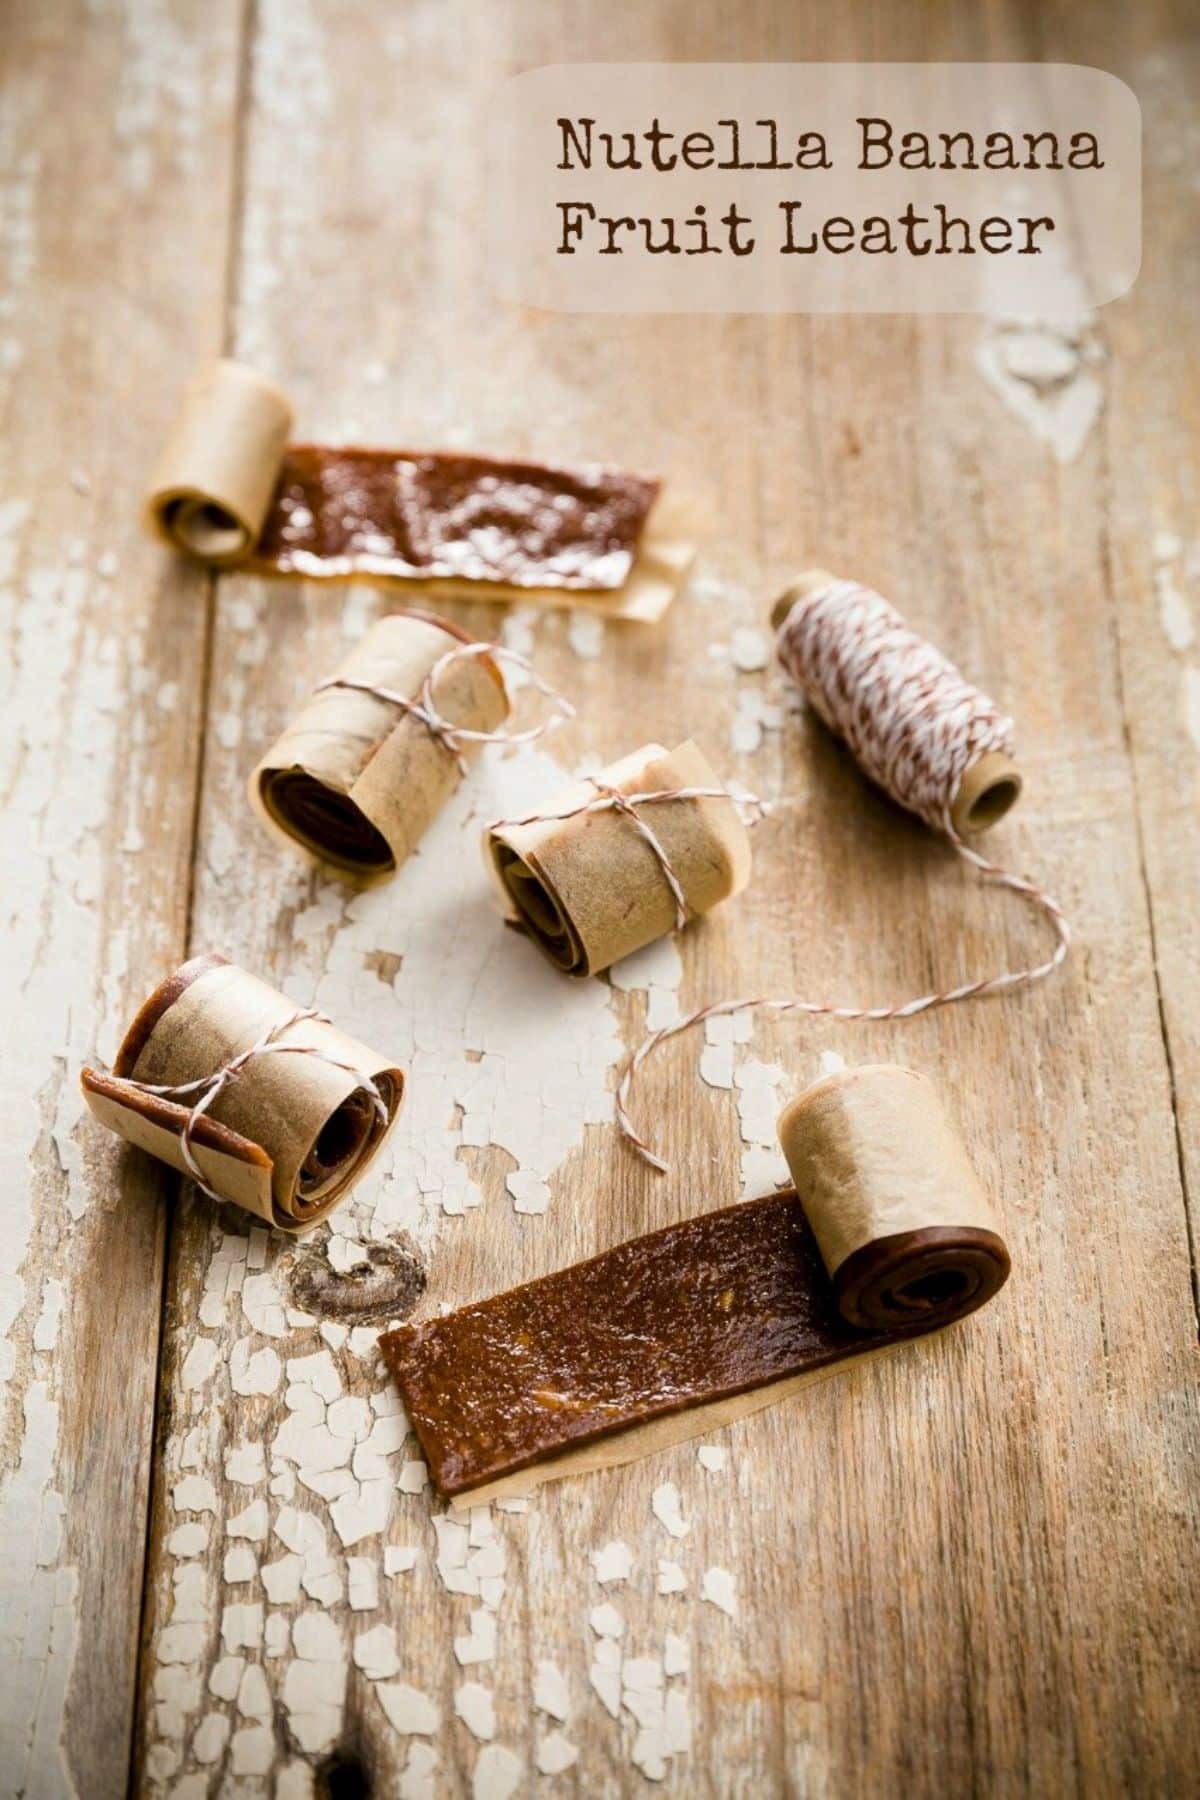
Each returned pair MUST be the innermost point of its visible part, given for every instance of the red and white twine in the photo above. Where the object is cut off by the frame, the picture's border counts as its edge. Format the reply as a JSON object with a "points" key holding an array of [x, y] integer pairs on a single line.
{"points": [[915, 726], [209, 1088], [423, 706]]}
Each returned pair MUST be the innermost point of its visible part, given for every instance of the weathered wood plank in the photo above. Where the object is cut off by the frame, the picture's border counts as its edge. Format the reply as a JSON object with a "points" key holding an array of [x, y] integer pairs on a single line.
{"points": [[114, 187], [967, 1568], [1155, 552]]}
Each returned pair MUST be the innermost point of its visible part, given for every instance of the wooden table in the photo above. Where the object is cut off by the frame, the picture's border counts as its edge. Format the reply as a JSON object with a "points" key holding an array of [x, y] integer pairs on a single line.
{"points": [[970, 1568]]}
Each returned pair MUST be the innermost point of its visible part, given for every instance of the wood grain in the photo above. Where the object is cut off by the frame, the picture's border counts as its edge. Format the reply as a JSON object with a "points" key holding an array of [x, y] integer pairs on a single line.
{"points": [[968, 1567], [1027, 1630], [115, 130]]}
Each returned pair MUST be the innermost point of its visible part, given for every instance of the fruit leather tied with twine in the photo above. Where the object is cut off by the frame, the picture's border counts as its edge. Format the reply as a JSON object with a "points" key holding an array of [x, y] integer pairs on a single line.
{"points": [[355, 780], [589, 889], [290, 1136]]}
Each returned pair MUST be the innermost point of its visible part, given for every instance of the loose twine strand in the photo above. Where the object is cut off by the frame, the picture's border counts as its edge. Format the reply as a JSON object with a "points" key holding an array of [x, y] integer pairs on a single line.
{"points": [[423, 706], [209, 1088], [915, 726], [611, 799]]}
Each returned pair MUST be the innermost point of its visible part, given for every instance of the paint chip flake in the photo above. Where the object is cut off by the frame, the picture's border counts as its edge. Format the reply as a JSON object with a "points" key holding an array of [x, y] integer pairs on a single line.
{"points": [[551, 1694], [671, 1578], [479, 1646], [409, 1711], [497, 1773], [612, 1562], [375, 1653], [606, 1621], [665, 1505], [719, 1589], [473, 1704]]}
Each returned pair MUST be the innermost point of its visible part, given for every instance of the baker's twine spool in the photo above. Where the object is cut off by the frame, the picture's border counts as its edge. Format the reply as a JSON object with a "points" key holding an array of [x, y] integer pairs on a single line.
{"points": [[423, 705], [209, 1088], [923, 733]]}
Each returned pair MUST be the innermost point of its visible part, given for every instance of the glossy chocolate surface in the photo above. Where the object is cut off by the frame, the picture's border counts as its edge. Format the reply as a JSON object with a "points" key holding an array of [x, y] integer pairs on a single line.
{"points": [[440, 515], [710, 1308]]}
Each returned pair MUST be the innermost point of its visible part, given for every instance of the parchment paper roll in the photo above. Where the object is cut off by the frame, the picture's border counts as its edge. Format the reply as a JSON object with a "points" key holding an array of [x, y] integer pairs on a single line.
{"points": [[589, 889], [904, 1228], [355, 780], [288, 1137], [231, 489], [212, 489]]}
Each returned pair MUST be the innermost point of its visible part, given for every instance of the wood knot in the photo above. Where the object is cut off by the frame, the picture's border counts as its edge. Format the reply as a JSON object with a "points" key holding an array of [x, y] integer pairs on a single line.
{"points": [[386, 1285]]}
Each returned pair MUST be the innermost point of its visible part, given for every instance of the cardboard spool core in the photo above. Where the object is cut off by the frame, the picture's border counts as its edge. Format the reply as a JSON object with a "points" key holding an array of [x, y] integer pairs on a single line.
{"points": [[990, 788]]}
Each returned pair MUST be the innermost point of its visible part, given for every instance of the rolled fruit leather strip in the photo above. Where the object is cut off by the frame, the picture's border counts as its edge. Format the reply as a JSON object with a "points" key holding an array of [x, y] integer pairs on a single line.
{"points": [[289, 1137], [904, 1227], [230, 490], [677, 1333], [356, 781], [589, 889]]}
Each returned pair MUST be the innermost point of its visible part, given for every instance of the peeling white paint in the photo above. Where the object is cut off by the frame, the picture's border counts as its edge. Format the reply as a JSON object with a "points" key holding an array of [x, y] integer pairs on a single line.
{"points": [[1191, 704], [497, 1773], [606, 1621], [555, 1753], [416, 1782], [585, 634], [551, 1694], [314, 1681], [474, 1705], [375, 1653], [408, 1710], [612, 1562], [1048, 374], [479, 1645], [671, 1578], [1170, 572], [667, 1509], [719, 1588]]}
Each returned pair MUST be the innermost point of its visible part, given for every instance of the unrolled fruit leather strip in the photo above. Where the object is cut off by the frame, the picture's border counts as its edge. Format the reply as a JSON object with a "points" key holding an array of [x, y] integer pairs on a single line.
{"points": [[228, 489], [290, 1136], [355, 781], [589, 889], [672, 1335]]}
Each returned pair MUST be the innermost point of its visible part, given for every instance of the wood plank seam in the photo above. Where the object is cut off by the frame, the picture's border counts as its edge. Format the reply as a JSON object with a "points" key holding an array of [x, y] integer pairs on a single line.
{"points": [[1110, 588]]}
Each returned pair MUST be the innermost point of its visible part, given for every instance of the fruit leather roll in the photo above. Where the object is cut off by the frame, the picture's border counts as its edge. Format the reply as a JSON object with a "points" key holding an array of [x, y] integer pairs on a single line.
{"points": [[587, 883], [267, 1105], [905, 1230], [229, 490], [355, 780], [671, 1335]]}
